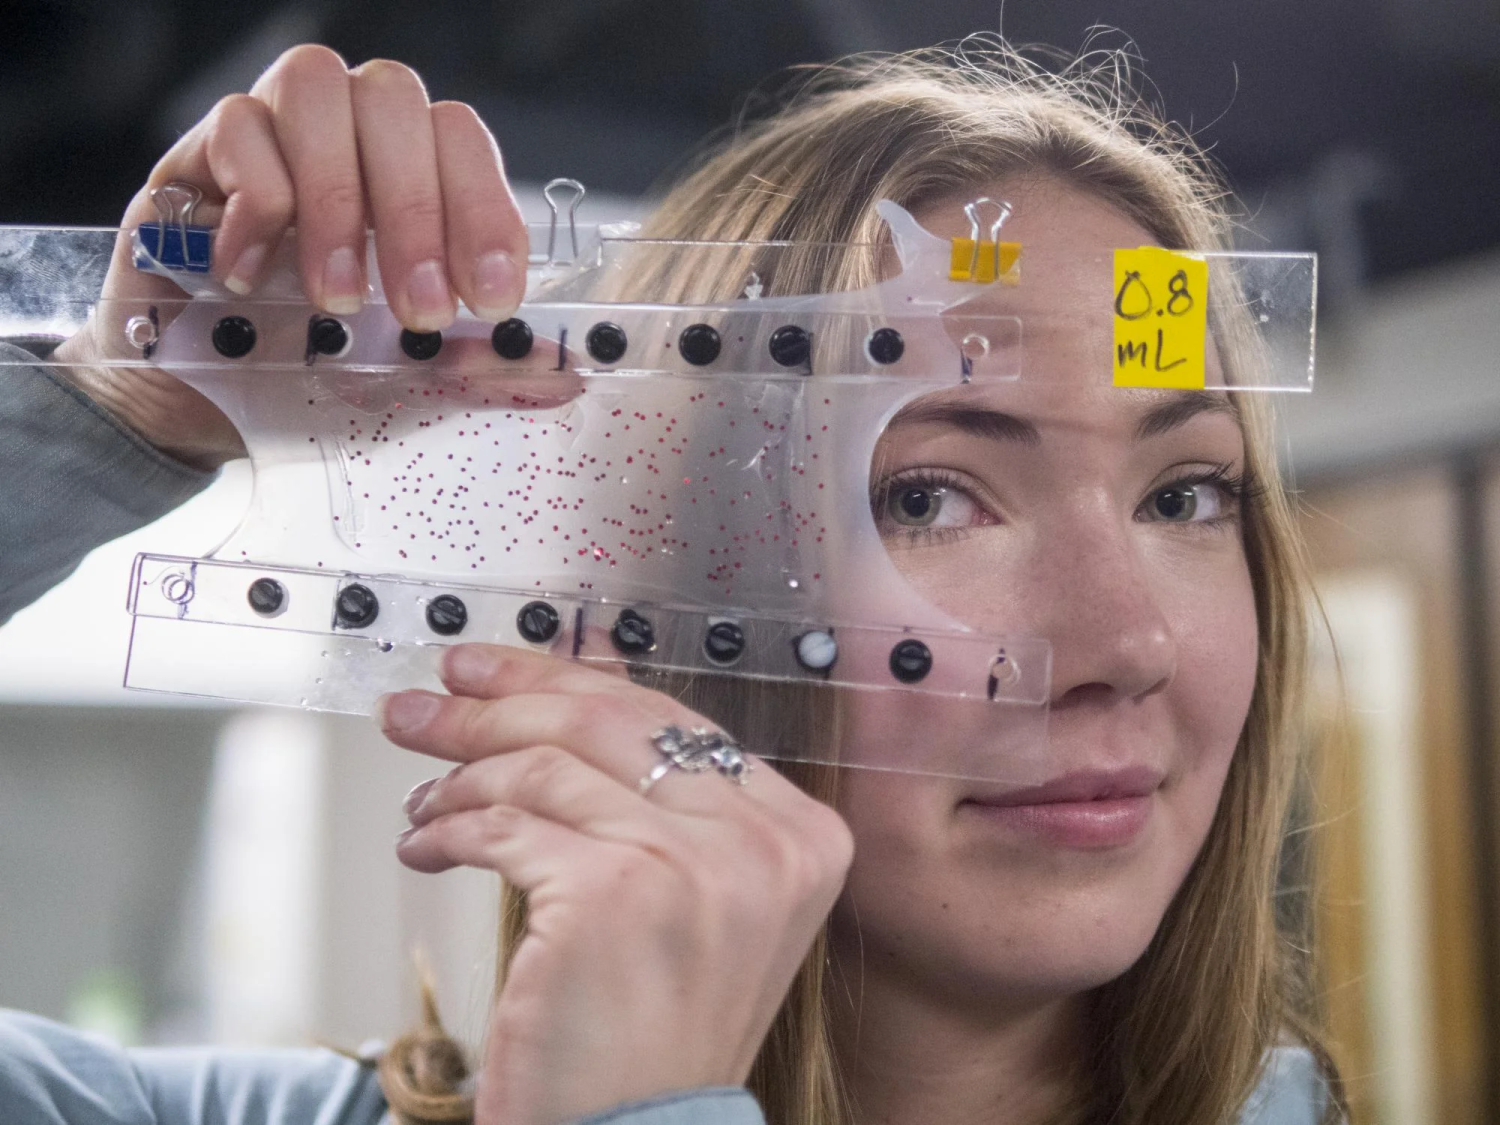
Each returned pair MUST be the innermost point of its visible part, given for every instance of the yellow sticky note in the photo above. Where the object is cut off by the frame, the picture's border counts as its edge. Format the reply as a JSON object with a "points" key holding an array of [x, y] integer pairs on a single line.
{"points": [[1161, 318]]}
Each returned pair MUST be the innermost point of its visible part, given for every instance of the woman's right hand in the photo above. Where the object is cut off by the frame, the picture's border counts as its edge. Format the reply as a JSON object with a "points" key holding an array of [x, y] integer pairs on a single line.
{"points": [[334, 152]]}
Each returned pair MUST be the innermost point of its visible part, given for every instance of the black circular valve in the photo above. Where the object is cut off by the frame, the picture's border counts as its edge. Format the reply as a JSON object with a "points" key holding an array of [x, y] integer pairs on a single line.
{"points": [[233, 337], [699, 344], [724, 643], [421, 345], [605, 341], [266, 596], [512, 339], [885, 345], [355, 607], [911, 660], [538, 622], [447, 615], [633, 634], [790, 345], [326, 336]]}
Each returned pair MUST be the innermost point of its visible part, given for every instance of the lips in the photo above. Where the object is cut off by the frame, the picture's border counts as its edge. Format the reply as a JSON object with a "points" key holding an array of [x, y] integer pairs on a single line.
{"points": [[1087, 810], [1082, 785]]}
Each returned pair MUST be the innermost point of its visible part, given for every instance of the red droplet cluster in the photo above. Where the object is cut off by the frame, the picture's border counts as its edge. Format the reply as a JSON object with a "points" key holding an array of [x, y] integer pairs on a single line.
{"points": [[448, 477]]}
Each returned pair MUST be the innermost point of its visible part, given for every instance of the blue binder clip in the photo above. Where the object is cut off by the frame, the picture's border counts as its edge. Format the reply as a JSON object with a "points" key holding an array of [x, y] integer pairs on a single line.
{"points": [[174, 243]]}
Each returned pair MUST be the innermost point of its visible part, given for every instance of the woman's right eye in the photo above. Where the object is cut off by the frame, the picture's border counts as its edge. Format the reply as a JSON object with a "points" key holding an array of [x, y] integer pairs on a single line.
{"points": [[926, 506]]}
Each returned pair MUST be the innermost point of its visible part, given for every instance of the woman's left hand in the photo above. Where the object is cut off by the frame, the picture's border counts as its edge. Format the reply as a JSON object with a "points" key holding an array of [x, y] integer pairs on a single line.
{"points": [[663, 930]]}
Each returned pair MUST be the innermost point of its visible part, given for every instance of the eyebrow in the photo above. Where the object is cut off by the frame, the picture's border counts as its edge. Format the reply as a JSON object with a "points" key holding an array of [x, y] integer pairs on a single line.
{"points": [[997, 425], [1179, 408], [979, 421]]}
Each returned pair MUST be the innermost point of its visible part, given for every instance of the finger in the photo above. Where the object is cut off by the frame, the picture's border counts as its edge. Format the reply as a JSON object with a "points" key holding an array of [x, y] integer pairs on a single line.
{"points": [[527, 850], [233, 158], [398, 155], [478, 377], [493, 671], [548, 782], [259, 201], [486, 236], [613, 734], [607, 731], [307, 90]]}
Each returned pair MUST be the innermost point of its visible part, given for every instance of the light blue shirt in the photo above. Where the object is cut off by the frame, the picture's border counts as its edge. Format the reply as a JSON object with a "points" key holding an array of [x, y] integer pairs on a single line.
{"points": [[52, 1075]]}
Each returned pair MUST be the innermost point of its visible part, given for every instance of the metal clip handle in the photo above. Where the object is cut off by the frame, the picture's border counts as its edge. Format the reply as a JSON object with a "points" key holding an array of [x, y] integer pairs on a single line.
{"points": [[1002, 210], [175, 203], [977, 258], [547, 194]]}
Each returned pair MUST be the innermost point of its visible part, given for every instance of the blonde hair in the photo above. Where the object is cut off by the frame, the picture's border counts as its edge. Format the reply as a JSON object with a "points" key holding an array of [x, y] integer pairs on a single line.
{"points": [[1181, 1037]]}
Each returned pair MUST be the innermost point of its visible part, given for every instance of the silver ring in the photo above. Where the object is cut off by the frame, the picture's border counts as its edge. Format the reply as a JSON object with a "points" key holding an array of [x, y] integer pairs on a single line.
{"points": [[696, 751]]}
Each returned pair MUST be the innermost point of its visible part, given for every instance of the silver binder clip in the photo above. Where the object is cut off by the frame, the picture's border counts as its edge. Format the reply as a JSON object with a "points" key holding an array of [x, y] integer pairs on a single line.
{"points": [[174, 243], [971, 209], [578, 193]]}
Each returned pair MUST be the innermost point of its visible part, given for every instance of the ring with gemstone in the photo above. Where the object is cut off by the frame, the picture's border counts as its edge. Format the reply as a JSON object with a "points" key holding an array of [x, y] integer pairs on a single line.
{"points": [[696, 751]]}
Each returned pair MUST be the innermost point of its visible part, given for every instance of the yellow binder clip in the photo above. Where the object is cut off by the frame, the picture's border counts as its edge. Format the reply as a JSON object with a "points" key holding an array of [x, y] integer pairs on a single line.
{"points": [[985, 260]]}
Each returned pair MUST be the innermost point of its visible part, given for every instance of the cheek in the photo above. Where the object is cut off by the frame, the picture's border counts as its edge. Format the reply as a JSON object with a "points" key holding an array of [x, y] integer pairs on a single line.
{"points": [[904, 877], [1207, 704], [1217, 654]]}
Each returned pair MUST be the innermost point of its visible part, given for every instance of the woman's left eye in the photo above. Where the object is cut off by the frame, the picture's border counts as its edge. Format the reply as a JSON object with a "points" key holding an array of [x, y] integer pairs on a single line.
{"points": [[1205, 500], [1176, 502]]}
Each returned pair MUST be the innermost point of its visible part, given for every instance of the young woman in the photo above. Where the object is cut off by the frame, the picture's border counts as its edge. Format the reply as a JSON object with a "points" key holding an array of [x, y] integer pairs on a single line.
{"points": [[857, 947]]}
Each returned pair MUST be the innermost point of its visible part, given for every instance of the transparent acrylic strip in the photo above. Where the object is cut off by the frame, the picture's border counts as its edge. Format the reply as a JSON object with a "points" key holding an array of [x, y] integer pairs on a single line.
{"points": [[393, 611], [948, 702], [211, 337]]}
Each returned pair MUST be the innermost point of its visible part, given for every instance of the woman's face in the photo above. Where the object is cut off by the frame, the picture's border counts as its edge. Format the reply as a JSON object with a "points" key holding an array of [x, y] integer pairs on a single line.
{"points": [[1106, 521]]}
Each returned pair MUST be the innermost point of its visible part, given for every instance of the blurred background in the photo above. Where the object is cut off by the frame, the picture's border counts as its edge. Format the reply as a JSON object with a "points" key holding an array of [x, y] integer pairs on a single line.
{"points": [[171, 871]]}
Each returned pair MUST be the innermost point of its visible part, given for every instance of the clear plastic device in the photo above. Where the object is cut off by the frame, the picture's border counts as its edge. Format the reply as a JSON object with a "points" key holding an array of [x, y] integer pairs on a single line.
{"points": [[656, 462]]}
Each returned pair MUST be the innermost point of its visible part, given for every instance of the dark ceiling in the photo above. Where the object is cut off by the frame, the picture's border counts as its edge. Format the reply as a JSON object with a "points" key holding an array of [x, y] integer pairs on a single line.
{"points": [[1366, 129]]}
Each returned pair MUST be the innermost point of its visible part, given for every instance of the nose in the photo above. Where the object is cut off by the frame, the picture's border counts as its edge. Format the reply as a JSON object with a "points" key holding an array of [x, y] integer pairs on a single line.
{"points": [[1098, 604]]}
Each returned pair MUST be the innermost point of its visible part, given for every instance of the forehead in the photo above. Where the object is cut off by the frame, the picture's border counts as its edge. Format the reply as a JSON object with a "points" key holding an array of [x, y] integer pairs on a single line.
{"points": [[1030, 417], [1052, 218], [1067, 239]]}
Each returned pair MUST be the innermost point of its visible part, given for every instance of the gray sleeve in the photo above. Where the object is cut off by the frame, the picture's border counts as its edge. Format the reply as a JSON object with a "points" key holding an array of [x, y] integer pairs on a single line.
{"points": [[53, 1075], [1291, 1091], [71, 477]]}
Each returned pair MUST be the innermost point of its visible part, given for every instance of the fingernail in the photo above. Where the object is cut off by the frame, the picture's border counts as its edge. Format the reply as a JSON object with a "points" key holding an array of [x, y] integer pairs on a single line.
{"points": [[495, 295], [469, 665], [415, 797], [241, 279], [342, 285], [402, 837], [406, 710], [431, 300]]}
